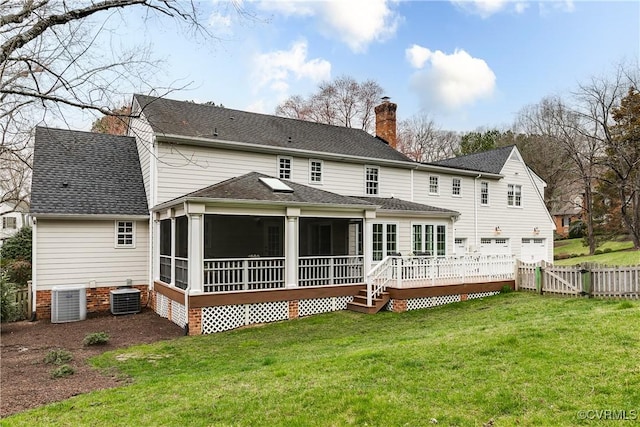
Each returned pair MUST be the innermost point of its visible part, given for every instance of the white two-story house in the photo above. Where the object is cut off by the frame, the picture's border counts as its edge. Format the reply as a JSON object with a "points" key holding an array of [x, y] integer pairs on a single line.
{"points": [[223, 217]]}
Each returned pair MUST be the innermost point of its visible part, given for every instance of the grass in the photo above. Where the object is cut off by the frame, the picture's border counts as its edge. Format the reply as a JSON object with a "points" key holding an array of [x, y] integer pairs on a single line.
{"points": [[517, 358], [620, 253]]}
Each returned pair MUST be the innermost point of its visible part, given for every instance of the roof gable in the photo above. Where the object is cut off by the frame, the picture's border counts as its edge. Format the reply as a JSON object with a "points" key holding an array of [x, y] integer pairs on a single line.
{"points": [[491, 161], [188, 119], [84, 173]]}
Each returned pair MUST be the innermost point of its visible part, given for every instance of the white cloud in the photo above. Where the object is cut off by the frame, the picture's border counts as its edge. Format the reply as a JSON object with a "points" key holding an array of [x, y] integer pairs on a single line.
{"points": [[275, 69], [450, 81], [484, 8], [417, 55], [356, 23]]}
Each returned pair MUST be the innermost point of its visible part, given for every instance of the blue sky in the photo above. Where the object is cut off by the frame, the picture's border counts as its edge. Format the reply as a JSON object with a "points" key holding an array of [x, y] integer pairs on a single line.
{"points": [[467, 64]]}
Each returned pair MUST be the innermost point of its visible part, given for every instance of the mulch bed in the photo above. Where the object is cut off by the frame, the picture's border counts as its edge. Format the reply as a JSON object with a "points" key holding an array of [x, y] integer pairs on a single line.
{"points": [[25, 379]]}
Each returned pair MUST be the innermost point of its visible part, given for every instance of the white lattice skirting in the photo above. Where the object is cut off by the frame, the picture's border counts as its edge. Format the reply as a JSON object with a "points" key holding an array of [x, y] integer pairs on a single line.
{"points": [[309, 307], [427, 302], [178, 314], [162, 305], [226, 317]]}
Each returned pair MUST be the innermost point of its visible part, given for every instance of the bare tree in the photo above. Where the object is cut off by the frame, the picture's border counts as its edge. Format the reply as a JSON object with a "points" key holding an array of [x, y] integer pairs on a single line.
{"points": [[53, 60], [562, 129], [341, 102], [420, 139], [607, 107]]}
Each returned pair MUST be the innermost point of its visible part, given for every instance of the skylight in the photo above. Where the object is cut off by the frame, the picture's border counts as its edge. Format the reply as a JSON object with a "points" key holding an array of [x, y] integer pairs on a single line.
{"points": [[276, 185]]}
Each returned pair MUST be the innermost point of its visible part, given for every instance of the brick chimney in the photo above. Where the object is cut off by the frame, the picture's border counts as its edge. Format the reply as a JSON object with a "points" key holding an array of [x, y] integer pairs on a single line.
{"points": [[386, 122]]}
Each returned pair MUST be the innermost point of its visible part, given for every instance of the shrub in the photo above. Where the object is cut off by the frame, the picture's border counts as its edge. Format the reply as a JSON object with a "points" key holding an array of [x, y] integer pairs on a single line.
{"points": [[19, 271], [9, 310], [17, 246], [62, 371], [58, 356], [506, 289], [576, 229], [607, 250], [597, 252], [96, 338]]}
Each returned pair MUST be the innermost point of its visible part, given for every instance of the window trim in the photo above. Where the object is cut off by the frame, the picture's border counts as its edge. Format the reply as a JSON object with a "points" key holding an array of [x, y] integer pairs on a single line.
{"points": [[437, 192], [320, 162], [453, 187], [117, 234], [481, 193], [280, 169], [376, 182], [385, 241], [514, 200], [6, 220]]}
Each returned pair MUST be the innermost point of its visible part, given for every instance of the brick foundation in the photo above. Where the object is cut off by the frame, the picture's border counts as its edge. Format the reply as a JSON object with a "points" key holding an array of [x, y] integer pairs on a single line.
{"points": [[195, 321], [399, 305], [293, 310], [98, 300], [464, 297]]}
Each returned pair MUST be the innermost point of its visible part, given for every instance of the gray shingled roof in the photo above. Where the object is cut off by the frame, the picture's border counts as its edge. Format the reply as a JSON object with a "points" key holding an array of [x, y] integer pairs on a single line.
{"points": [[189, 119], [249, 187], [86, 173], [393, 204], [491, 161]]}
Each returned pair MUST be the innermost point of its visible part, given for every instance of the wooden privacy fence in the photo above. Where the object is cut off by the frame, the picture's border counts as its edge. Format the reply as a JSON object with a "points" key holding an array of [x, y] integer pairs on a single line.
{"points": [[23, 299], [580, 280]]}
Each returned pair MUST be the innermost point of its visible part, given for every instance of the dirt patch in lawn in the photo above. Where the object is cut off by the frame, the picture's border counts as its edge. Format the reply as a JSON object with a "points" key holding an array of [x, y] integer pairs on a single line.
{"points": [[25, 379]]}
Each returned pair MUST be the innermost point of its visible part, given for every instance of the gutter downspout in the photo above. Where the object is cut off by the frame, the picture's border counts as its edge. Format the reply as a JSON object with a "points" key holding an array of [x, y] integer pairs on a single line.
{"points": [[34, 269]]}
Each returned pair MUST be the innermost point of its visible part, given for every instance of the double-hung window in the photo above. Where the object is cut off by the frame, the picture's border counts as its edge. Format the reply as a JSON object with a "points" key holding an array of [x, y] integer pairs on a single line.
{"points": [[456, 187], [484, 193], [434, 184], [315, 171], [9, 222], [514, 195], [125, 234], [284, 167], [371, 180]]}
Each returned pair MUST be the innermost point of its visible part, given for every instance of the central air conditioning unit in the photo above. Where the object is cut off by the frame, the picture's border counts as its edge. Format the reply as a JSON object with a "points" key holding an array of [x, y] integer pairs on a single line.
{"points": [[125, 301], [68, 304]]}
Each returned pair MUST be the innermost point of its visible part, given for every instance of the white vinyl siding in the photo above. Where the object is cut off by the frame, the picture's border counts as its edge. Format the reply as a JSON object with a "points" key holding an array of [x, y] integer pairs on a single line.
{"points": [[78, 252], [140, 129]]}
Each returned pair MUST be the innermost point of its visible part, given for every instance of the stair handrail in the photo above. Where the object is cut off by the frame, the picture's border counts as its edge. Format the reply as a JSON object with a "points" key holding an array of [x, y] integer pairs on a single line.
{"points": [[374, 289]]}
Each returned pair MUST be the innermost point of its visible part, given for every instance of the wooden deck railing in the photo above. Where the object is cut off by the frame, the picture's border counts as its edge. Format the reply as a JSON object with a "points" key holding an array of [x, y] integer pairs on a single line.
{"points": [[419, 271], [243, 274], [330, 270]]}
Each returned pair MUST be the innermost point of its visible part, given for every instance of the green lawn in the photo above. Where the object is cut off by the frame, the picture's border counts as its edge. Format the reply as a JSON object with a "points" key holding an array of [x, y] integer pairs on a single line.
{"points": [[620, 253], [517, 358]]}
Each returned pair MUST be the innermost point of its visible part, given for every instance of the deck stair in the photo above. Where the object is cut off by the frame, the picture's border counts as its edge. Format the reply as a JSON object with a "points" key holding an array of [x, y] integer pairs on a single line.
{"points": [[359, 303]]}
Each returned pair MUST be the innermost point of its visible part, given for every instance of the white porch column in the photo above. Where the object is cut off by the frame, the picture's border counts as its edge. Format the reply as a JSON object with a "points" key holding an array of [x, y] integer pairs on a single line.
{"points": [[196, 255], [369, 216], [291, 248], [173, 247]]}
